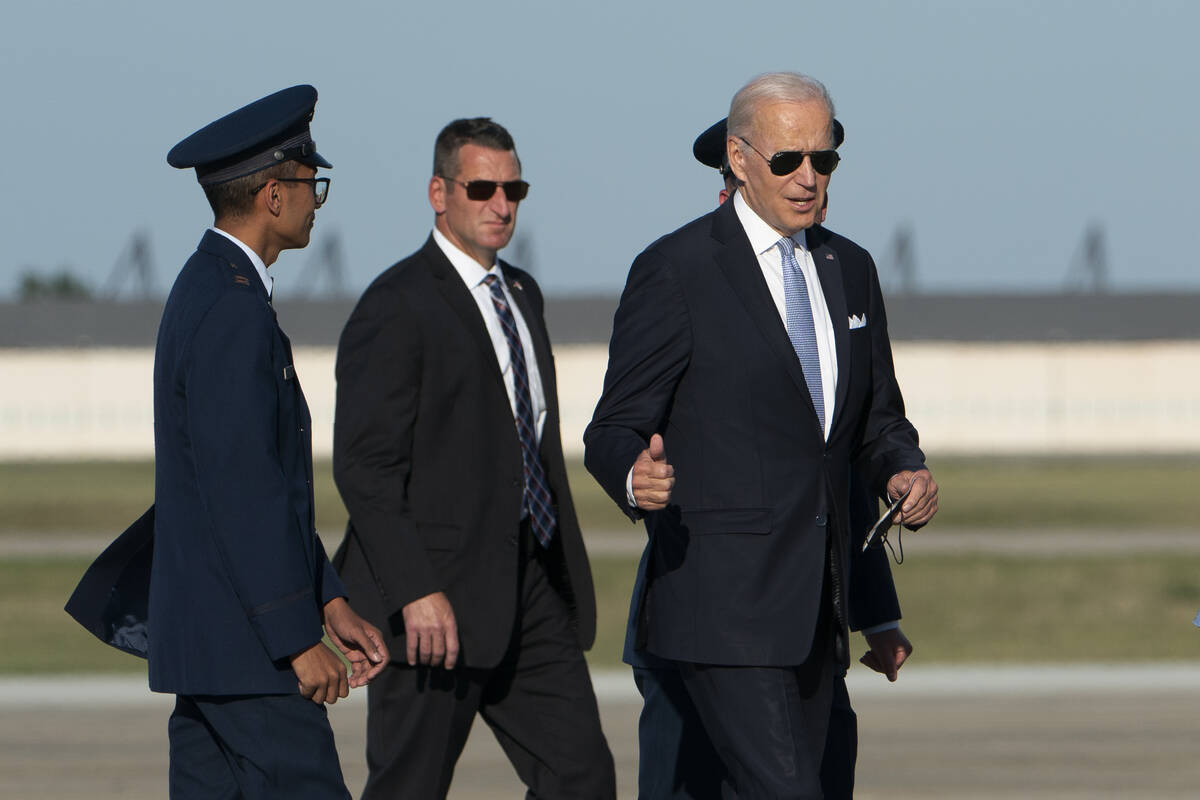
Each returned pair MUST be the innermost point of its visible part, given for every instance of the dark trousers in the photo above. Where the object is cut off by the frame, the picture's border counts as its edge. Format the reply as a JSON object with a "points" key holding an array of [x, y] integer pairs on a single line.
{"points": [[263, 747], [538, 702], [771, 725], [841, 746], [677, 760]]}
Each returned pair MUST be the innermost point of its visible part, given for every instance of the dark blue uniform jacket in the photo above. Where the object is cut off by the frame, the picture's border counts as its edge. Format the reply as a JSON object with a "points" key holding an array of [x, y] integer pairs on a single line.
{"points": [[238, 575]]}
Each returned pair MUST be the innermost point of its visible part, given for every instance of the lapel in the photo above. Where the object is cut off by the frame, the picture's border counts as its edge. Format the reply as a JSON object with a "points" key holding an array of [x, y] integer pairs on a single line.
{"points": [[740, 264], [541, 342], [458, 297], [214, 244], [829, 271], [294, 381]]}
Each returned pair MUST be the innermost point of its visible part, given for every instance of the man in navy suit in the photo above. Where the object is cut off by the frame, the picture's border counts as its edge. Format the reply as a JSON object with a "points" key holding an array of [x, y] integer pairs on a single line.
{"points": [[676, 758], [751, 346], [240, 589]]}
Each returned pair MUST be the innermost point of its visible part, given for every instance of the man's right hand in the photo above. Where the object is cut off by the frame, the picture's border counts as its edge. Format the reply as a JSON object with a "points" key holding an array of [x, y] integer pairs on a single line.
{"points": [[653, 477], [889, 650], [430, 632], [321, 674]]}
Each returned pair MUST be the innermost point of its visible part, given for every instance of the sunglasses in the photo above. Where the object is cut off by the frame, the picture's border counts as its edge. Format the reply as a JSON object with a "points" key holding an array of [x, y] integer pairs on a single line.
{"points": [[785, 162], [514, 191]]}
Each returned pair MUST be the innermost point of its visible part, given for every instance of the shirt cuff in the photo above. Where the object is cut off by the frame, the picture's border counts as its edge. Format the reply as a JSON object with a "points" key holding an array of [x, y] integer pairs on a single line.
{"points": [[629, 489], [881, 627]]}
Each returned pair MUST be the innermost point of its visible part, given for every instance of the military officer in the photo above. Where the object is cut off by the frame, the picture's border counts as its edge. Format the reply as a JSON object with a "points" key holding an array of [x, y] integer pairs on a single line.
{"points": [[240, 589]]}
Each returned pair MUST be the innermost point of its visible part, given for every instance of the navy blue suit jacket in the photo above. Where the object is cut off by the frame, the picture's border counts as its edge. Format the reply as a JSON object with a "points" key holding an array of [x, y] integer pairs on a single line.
{"points": [[239, 576], [872, 590], [699, 354]]}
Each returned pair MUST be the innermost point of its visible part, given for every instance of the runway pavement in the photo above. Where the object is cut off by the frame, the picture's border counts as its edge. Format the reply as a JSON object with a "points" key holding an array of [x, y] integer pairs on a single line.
{"points": [[1013, 732]]}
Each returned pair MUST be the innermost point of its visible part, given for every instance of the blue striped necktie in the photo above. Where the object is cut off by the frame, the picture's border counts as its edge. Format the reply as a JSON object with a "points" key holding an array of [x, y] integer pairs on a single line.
{"points": [[800, 324], [537, 502]]}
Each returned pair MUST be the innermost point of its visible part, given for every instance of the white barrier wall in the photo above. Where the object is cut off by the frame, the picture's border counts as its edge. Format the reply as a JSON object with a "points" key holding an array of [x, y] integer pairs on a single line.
{"points": [[1040, 398], [964, 398]]}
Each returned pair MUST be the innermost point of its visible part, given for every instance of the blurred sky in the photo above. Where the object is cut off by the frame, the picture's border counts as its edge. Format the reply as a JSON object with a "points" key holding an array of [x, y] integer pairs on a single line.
{"points": [[998, 131]]}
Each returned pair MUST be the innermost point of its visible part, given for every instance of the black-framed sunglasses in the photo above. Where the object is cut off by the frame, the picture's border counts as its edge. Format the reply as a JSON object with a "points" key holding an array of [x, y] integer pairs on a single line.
{"points": [[320, 187], [514, 191], [785, 162]]}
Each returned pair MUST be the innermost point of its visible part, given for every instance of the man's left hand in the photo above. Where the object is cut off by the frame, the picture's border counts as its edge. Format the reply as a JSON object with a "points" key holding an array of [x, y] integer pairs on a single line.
{"points": [[889, 650], [358, 640], [921, 503]]}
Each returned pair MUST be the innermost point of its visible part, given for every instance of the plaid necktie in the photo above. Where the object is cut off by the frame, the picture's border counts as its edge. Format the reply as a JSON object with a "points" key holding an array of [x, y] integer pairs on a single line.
{"points": [[537, 492], [800, 324]]}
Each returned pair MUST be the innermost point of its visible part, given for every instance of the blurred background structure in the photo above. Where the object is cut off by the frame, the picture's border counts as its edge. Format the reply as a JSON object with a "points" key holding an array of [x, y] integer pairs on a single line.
{"points": [[1070, 372]]}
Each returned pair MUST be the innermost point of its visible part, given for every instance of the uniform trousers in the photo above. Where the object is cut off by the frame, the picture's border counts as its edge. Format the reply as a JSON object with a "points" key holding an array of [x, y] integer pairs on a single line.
{"points": [[538, 701], [256, 747]]}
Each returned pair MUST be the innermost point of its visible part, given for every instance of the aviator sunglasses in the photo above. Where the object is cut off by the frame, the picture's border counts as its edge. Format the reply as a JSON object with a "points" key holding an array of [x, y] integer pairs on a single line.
{"points": [[785, 162], [514, 191]]}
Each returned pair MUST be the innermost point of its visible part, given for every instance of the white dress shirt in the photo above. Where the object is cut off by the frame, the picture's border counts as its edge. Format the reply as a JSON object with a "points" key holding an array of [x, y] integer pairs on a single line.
{"points": [[259, 266], [473, 276], [764, 240]]}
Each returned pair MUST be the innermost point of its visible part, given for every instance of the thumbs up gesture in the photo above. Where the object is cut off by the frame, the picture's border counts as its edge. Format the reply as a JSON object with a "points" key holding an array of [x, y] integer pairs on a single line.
{"points": [[653, 476]]}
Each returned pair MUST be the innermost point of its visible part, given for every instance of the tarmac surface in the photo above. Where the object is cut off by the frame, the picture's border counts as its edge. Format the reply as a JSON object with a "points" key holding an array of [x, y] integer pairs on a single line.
{"points": [[1035, 732], [1011, 732]]}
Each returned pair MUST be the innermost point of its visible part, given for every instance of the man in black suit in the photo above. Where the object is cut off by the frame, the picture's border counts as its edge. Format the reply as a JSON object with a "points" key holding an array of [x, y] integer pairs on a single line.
{"points": [[463, 543], [750, 357]]}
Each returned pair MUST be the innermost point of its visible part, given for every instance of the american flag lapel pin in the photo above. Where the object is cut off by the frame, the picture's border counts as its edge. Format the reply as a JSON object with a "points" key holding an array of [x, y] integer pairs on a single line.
{"points": [[829, 256], [516, 284]]}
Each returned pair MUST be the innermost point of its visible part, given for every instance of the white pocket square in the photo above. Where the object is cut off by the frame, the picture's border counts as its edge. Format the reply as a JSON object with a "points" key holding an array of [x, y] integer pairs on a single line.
{"points": [[859, 321]]}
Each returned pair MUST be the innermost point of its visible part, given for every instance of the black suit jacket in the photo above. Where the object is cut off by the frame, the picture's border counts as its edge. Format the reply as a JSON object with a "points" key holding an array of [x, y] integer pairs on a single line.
{"points": [[700, 355], [428, 460]]}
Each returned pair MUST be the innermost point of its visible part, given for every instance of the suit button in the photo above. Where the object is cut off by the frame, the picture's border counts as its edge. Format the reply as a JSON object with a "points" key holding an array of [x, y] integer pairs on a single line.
{"points": [[821, 520]]}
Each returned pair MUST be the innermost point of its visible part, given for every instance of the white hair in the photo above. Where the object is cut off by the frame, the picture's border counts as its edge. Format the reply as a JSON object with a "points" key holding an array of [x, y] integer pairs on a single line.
{"points": [[775, 87]]}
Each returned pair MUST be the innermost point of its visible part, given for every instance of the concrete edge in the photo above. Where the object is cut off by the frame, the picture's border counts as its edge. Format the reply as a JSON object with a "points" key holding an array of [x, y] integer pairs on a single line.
{"points": [[616, 685]]}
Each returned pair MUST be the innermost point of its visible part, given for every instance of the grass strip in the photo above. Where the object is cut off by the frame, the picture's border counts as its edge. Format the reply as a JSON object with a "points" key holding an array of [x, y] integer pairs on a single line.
{"points": [[957, 609], [1112, 492]]}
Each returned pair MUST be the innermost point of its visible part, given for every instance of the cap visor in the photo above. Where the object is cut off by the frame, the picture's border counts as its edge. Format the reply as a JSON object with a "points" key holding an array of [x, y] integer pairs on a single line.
{"points": [[316, 160]]}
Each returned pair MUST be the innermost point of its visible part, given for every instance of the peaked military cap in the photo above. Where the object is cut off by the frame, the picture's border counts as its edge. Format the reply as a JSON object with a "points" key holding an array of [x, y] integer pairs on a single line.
{"points": [[709, 147], [260, 135]]}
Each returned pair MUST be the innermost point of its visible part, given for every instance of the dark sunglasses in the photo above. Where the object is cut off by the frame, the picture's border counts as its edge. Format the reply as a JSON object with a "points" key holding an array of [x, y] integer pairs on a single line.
{"points": [[785, 162], [514, 191]]}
